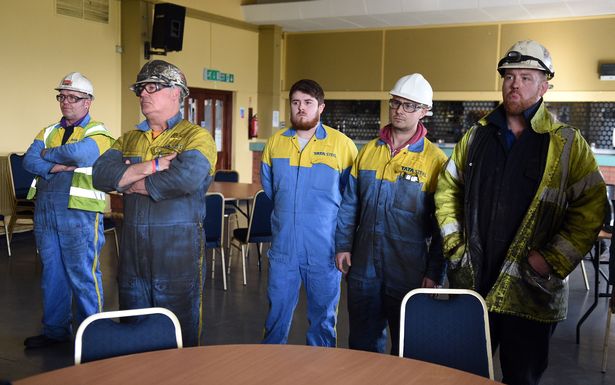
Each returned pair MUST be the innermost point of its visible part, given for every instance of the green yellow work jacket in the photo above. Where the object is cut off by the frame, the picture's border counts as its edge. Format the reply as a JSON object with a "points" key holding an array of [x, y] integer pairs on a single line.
{"points": [[562, 223]]}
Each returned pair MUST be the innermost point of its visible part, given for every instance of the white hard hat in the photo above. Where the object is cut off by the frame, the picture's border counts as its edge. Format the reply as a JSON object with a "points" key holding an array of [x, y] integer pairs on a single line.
{"points": [[74, 81], [528, 54], [414, 87]]}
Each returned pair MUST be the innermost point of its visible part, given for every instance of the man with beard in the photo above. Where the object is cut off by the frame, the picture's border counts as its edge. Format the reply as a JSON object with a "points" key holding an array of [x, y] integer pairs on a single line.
{"points": [[304, 172], [386, 228], [520, 203]]}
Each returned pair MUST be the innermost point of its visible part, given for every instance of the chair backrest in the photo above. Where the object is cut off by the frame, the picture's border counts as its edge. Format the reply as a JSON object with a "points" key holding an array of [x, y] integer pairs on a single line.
{"points": [[226, 176], [214, 219], [21, 178], [100, 337], [453, 331], [259, 228]]}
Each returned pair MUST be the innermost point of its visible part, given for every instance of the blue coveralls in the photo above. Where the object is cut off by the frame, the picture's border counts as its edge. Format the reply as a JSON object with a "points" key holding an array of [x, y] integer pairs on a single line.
{"points": [[68, 240], [306, 189], [163, 241], [386, 220]]}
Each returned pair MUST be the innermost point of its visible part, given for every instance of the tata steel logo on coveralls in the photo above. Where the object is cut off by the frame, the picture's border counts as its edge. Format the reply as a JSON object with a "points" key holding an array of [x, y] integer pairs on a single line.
{"points": [[322, 153]]}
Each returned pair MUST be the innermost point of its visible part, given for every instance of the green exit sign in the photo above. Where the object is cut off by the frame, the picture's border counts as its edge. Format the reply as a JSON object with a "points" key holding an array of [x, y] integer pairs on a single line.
{"points": [[217, 76]]}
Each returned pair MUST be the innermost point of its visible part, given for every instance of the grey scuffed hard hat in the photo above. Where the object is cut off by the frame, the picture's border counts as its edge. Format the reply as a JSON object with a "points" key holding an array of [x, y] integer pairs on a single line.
{"points": [[160, 71]]}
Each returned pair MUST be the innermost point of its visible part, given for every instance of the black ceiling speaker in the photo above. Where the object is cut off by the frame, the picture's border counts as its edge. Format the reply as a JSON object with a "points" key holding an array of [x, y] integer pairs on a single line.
{"points": [[168, 29]]}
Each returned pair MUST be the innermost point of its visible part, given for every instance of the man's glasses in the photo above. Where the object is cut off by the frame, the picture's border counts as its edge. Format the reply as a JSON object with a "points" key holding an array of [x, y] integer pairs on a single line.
{"points": [[517, 57], [70, 98], [407, 106], [150, 88]]}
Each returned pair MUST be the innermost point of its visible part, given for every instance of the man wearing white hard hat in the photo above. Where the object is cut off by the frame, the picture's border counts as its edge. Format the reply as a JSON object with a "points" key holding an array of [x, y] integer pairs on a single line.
{"points": [[520, 203], [387, 239], [68, 220]]}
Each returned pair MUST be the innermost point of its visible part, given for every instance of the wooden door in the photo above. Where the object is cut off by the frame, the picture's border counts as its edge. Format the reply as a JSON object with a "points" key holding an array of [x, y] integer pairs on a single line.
{"points": [[212, 110]]}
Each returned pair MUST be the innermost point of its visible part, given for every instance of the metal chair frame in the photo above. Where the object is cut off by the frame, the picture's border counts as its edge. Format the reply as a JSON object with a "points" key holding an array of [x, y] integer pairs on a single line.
{"points": [[121, 314]]}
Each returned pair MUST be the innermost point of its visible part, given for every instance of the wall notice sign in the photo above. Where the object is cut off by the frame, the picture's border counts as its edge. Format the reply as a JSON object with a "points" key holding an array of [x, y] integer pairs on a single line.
{"points": [[275, 119]]}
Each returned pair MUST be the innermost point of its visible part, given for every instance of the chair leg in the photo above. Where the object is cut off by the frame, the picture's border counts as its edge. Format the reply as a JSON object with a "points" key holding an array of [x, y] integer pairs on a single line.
{"points": [[243, 260], [117, 245], [8, 239], [213, 263], [223, 267], [605, 347], [230, 256], [584, 276]]}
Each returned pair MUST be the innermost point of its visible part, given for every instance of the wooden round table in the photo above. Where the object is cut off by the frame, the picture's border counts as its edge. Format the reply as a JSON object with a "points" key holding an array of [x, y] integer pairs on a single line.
{"points": [[257, 364]]}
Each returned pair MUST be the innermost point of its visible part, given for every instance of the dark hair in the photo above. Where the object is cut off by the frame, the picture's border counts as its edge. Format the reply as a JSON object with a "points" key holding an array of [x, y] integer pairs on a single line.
{"points": [[310, 87]]}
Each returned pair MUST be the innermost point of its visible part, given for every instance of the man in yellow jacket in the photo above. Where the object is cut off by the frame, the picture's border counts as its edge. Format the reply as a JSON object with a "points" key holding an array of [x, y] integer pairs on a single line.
{"points": [[68, 221], [519, 204], [304, 172]]}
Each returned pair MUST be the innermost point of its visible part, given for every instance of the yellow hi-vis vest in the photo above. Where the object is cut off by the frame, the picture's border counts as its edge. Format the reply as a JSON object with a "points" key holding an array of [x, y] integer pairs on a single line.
{"points": [[82, 194]]}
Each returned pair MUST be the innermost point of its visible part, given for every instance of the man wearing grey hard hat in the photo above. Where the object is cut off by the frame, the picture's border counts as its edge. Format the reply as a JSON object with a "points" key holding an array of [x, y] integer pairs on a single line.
{"points": [[68, 221], [520, 203], [163, 168], [387, 239]]}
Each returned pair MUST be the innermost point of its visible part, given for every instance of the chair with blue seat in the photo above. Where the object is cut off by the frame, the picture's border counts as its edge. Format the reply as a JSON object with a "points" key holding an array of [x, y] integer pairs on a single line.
{"points": [[448, 327], [21, 182], [610, 283], [99, 336], [214, 231], [230, 207], [109, 226], [6, 234], [258, 230]]}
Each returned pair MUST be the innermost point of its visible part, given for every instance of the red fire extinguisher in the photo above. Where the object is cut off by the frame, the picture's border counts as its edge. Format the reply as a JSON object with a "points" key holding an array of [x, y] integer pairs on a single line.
{"points": [[252, 125]]}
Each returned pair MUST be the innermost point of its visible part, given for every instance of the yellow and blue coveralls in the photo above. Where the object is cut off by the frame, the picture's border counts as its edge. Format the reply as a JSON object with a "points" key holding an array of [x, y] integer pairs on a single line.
{"points": [[163, 241], [68, 237], [306, 189], [387, 222]]}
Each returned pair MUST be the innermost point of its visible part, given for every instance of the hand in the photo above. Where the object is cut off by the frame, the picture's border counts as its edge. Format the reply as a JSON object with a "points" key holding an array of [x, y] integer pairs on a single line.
{"points": [[137, 187], [342, 261], [428, 283], [538, 263], [61, 168], [164, 162]]}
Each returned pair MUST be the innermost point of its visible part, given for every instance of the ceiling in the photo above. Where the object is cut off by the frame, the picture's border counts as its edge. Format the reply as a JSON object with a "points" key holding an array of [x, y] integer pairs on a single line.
{"points": [[318, 15]]}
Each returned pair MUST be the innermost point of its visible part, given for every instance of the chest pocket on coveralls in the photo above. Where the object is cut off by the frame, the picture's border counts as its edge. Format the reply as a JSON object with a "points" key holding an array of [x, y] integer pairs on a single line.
{"points": [[406, 194], [323, 169]]}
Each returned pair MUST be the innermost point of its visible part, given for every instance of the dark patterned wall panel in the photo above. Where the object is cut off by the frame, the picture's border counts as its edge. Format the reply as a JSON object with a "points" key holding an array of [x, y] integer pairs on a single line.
{"points": [[360, 120]]}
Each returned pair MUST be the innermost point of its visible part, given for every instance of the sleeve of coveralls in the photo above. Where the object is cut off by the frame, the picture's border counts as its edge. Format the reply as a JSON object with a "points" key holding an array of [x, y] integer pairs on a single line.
{"points": [[449, 201], [109, 168], [348, 212], [79, 154], [586, 193], [34, 163], [266, 177], [350, 155], [187, 171], [435, 257]]}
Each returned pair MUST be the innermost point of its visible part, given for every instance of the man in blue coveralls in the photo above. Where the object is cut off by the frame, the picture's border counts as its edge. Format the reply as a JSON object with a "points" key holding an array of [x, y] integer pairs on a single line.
{"points": [[68, 221], [387, 237], [304, 171], [163, 168]]}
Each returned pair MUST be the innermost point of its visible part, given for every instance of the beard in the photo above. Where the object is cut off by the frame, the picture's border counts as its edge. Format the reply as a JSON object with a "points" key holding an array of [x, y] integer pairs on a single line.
{"points": [[304, 124], [516, 107]]}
